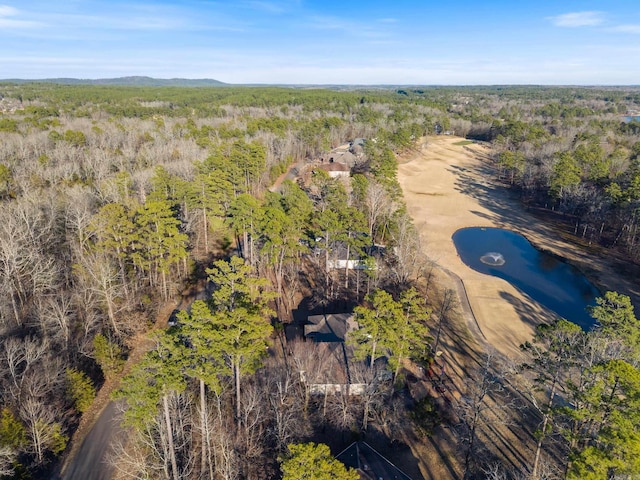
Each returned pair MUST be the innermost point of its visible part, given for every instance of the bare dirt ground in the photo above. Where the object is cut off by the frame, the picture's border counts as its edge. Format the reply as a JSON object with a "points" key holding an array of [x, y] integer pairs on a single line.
{"points": [[449, 185]]}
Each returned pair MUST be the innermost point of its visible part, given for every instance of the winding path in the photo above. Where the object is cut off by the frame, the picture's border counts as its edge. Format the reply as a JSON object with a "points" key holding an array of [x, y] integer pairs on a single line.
{"points": [[472, 321], [91, 461], [92, 445]]}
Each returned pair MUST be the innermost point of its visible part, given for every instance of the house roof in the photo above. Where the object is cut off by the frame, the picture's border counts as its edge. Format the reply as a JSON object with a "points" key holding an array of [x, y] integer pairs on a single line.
{"points": [[335, 167], [369, 463], [330, 328]]}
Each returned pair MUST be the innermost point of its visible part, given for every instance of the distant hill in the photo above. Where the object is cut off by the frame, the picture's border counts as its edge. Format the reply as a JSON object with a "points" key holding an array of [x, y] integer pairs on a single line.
{"points": [[128, 81]]}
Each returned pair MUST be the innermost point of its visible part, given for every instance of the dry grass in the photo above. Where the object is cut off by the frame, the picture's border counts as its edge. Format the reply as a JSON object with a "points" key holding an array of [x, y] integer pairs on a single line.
{"points": [[447, 188]]}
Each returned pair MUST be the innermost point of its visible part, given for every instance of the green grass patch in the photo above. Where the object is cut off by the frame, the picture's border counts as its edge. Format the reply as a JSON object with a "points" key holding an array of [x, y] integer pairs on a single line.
{"points": [[462, 143]]}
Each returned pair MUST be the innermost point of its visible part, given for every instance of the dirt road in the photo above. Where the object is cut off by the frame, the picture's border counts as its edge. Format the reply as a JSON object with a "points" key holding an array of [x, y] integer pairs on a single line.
{"points": [[91, 461]]}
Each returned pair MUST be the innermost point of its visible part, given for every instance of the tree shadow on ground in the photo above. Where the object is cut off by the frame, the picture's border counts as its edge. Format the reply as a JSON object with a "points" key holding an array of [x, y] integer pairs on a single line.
{"points": [[507, 210], [529, 311], [397, 452]]}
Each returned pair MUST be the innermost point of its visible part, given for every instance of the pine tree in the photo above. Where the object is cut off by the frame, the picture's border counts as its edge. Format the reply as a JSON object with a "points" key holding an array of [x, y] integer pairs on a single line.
{"points": [[241, 312], [80, 389], [160, 242], [377, 324], [411, 333], [555, 350]]}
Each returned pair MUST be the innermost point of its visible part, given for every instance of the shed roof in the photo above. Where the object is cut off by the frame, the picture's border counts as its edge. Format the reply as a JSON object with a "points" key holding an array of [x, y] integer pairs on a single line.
{"points": [[335, 167], [369, 463], [330, 328]]}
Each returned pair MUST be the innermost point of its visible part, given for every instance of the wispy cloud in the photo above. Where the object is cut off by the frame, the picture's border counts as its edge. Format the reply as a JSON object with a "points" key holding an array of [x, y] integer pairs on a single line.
{"points": [[109, 22], [272, 7], [7, 11], [6, 20], [629, 28], [578, 19]]}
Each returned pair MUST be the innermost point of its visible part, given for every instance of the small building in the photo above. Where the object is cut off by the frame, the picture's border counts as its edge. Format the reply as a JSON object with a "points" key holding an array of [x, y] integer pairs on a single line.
{"points": [[343, 258], [336, 169], [370, 464], [329, 332], [330, 328], [351, 264]]}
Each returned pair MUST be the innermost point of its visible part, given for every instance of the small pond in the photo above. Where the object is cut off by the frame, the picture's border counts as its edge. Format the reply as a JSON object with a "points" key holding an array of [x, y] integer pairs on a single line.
{"points": [[548, 280]]}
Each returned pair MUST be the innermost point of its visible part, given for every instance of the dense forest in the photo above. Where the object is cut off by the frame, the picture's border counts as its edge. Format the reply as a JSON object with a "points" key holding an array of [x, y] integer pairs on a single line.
{"points": [[117, 199]]}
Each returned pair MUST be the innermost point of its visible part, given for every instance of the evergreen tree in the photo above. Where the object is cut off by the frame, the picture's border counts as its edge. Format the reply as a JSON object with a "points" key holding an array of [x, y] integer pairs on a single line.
{"points": [[377, 325], [245, 218], [411, 333], [80, 389], [608, 417], [160, 242], [555, 350], [240, 302], [615, 316]]}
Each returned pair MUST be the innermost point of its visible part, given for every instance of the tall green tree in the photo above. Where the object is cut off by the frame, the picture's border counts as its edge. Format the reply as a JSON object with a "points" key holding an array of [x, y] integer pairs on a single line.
{"points": [[615, 316], [566, 175], [80, 389], [377, 324], [160, 243], [108, 355], [250, 159], [166, 187], [245, 218], [513, 163], [241, 305], [114, 229], [384, 168], [12, 432], [281, 238], [411, 333], [354, 225], [554, 351], [212, 191], [607, 415], [328, 219], [6, 179], [197, 346], [147, 389]]}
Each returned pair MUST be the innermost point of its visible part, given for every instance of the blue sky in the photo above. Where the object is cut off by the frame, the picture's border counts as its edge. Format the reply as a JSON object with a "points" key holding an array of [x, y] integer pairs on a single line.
{"points": [[326, 42]]}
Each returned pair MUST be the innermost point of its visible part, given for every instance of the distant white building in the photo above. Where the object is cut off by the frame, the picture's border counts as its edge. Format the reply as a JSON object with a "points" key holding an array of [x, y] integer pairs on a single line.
{"points": [[348, 264]]}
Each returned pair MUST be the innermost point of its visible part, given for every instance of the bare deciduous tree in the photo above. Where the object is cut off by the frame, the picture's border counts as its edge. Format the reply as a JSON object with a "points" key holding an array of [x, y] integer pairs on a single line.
{"points": [[486, 400], [406, 247]]}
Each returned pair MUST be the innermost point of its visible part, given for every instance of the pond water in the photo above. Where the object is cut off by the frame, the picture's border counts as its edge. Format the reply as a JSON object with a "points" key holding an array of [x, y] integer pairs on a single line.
{"points": [[632, 118], [548, 280]]}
